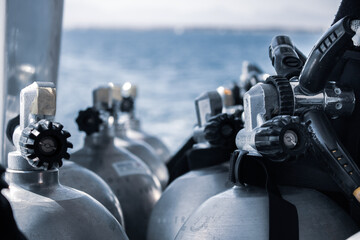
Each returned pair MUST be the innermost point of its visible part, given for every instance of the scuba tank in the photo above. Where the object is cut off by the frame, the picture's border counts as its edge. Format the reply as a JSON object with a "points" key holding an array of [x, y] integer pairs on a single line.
{"points": [[243, 213], [139, 149], [43, 208], [208, 169], [289, 136], [133, 128], [80, 178], [131, 180]]}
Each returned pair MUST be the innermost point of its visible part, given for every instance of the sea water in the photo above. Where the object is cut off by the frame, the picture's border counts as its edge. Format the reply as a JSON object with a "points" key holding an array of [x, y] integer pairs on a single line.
{"points": [[170, 67]]}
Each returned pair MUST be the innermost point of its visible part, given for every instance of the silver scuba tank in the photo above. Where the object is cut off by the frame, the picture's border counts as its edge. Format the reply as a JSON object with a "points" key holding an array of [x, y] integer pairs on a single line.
{"points": [[182, 197], [131, 180], [43, 208], [206, 178], [242, 213], [133, 126], [138, 148], [80, 178]]}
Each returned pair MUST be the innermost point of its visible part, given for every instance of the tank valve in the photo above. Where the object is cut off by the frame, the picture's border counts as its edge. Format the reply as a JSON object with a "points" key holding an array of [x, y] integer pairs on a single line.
{"points": [[89, 121], [44, 144], [40, 140], [221, 130], [282, 137]]}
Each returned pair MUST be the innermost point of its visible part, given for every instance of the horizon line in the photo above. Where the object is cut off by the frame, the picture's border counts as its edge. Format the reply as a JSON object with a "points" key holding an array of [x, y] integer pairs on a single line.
{"points": [[180, 29]]}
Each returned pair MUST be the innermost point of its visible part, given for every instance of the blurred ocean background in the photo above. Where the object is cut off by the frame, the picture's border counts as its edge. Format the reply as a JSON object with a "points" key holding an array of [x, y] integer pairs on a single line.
{"points": [[170, 67]]}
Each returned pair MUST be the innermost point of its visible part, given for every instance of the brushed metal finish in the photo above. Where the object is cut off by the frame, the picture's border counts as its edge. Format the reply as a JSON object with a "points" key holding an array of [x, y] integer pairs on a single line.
{"points": [[144, 152], [44, 209], [80, 178], [130, 179], [242, 213], [182, 197]]}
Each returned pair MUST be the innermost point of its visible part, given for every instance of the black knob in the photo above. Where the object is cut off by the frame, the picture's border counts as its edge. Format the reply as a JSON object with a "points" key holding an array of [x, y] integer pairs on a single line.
{"points": [[89, 121], [281, 138], [221, 130], [285, 95], [127, 104], [236, 94], [44, 144]]}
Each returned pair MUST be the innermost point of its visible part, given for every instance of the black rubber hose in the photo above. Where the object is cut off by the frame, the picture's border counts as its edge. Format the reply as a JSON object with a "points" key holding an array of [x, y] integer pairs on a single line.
{"points": [[11, 126]]}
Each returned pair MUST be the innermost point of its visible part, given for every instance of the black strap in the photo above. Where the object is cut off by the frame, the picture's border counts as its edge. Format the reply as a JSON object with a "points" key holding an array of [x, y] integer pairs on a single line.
{"points": [[178, 165], [207, 157], [283, 216], [188, 158]]}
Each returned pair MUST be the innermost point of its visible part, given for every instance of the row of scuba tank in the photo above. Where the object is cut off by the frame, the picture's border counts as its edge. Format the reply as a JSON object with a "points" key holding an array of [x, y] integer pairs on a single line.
{"points": [[120, 166], [264, 161]]}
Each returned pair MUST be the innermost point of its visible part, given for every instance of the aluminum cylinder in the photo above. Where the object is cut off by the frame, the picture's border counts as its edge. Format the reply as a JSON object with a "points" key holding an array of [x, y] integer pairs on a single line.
{"points": [[242, 213], [130, 179], [182, 197]]}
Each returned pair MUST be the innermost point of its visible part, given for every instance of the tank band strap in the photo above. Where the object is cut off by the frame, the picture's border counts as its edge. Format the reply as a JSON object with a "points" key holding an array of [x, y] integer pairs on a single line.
{"points": [[283, 216], [188, 159], [207, 157]]}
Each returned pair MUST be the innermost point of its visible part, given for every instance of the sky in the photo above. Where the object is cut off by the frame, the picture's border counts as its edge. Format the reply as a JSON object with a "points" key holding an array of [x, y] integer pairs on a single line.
{"points": [[248, 14]]}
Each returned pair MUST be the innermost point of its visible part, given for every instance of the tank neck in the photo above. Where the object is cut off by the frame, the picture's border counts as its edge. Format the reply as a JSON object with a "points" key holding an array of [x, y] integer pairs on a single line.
{"points": [[134, 124], [19, 172], [32, 180], [119, 129], [129, 121], [99, 139]]}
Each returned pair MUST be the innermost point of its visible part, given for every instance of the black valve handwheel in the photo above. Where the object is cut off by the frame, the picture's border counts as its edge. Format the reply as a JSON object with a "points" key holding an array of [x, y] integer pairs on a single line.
{"points": [[44, 144]]}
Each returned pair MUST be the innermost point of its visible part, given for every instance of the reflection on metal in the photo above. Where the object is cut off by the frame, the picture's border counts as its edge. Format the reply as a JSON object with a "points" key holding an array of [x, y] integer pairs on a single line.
{"points": [[32, 46]]}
